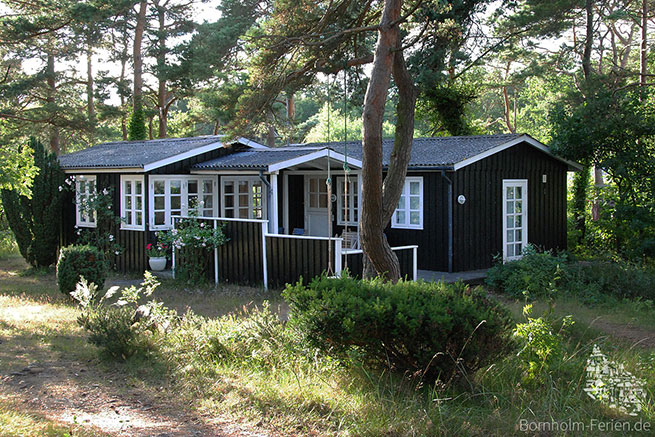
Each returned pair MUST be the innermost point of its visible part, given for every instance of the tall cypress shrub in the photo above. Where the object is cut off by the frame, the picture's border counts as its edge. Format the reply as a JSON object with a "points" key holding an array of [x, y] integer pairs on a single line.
{"points": [[35, 221]]}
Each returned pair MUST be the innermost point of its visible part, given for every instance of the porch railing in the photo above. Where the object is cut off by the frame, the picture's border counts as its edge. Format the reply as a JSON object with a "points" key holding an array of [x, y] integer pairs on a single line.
{"points": [[253, 255]]}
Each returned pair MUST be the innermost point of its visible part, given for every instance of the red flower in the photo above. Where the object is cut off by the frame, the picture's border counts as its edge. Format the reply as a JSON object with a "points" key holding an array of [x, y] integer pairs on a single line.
{"points": [[149, 246]]}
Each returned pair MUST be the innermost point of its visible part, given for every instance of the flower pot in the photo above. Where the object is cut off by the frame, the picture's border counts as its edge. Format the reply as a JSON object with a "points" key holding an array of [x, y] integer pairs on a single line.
{"points": [[157, 263]]}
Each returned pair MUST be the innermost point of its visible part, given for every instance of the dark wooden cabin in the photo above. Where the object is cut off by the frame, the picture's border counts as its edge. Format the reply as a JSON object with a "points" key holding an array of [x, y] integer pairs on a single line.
{"points": [[465, 199]]}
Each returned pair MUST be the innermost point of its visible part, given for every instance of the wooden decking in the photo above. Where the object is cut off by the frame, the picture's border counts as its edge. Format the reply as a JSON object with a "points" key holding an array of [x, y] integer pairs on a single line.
{"points": [[472, 277]]}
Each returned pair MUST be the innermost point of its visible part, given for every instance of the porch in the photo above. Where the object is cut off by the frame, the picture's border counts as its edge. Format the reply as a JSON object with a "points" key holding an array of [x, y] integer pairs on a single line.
{"points": [[254, 256]]}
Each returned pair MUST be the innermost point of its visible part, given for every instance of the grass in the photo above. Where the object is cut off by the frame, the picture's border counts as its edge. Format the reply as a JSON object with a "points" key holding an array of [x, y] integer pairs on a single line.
{"points": [[291, 393]]}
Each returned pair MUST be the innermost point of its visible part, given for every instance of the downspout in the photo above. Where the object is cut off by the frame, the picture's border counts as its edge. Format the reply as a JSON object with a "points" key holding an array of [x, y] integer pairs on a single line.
{"points": [[268, 198], [450, 220]]}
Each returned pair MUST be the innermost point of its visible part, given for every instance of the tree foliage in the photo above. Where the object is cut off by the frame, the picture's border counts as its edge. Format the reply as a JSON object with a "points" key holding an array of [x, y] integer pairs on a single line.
{"points": [[35, 221]]}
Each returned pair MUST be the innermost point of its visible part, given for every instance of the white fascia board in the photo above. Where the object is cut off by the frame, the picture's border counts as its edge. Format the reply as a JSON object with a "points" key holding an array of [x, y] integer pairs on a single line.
{"points": [[322, 153], [251, 143], [522, 139], [234, 172], [181, 156], [80, 170]]}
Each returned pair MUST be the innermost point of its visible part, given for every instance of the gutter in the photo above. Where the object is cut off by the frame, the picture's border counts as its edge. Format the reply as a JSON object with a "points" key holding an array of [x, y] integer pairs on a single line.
{"points": [[450, 220], [268, 195]]}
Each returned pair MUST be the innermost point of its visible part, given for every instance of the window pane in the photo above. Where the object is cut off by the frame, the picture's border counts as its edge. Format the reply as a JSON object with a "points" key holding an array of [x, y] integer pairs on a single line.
{"points": [[176, 202], [192, 188], [519, 192], [509, 192], [510, 250], [510, 207], [128, 218], [518, 220], [400, 217], [243, 200], [313, 200], [160, 218], [139, 203], [229, 213], [229, 201], [518, 248], [139, 187], [128, 187], [208, 201], [518, 206], [414, 203], [510, 222], [128, 203], [207, 213], [228, 187], [243, 213], [510, 236], [159, 202], [313, 185], [193, 201], [401, 202], [91, 185], [139, 218], [414, 218], [208, 187], [243, 186], [519, 235], [322, 201], [414, 188], [159, 187]]}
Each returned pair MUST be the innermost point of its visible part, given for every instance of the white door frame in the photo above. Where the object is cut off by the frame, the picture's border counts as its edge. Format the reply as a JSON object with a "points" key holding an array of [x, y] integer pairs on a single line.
{"points": [[523, 184]]}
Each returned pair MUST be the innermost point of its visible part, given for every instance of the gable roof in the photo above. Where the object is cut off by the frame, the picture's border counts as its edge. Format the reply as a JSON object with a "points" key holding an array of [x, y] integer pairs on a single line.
{"points": [[139, 155], [448, 153]]}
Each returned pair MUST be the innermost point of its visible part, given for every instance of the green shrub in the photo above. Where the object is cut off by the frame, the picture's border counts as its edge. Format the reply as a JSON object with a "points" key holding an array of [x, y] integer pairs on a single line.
{"points": [[534, 275], [80, 261], [541, 347], [125, 328], [547, 274], [424, 329]]}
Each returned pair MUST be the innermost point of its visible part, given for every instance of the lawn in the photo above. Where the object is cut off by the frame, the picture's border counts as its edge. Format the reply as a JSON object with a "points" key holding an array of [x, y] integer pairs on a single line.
{"points": [[60, 386]]}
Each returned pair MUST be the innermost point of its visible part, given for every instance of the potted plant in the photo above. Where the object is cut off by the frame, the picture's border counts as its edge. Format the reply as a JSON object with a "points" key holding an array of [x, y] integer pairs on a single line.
{"points": [[156, 256]]}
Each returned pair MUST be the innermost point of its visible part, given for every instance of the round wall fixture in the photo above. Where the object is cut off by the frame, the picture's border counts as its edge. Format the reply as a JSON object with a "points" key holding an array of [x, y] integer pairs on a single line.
{"points": [[333, 198], [461, 199]]}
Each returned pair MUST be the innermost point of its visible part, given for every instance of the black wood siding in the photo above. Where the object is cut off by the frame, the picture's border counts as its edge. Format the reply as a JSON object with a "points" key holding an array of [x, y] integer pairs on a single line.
{"points": [[355, 263], [289, 259], [478, 225], [240, 260]]}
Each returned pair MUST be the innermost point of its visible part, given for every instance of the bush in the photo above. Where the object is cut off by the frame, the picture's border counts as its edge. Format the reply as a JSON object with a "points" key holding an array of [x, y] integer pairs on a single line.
{"points": [[80, 261], [35, 220], [547, 274], [424, 329], [534, 275], [125, 328]]}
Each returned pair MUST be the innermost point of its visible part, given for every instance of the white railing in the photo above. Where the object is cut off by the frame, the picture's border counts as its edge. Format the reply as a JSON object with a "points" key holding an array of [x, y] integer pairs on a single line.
{"points": [[339, 251]]}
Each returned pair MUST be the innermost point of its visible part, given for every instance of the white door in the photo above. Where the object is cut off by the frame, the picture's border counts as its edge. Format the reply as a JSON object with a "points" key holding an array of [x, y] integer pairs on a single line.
{"points": [[515, 218], [316, 206]]}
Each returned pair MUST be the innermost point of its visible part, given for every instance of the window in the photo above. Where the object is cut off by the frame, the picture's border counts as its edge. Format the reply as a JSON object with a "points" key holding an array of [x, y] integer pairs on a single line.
{"points": [[85, 192], [132, 205], [317, 192], [349, 216], [243, 198], [409, 213], [178, 195]]}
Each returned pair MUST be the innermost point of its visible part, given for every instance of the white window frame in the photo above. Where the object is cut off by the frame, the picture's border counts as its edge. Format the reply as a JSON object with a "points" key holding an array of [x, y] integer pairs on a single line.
{"points": [[523, 183], [81, 219], [407, 224], [183, 193], [250, 179], [133, 179], [351, 201]]}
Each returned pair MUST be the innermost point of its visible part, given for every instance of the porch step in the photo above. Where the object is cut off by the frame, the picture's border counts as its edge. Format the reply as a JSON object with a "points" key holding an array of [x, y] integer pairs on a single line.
{"points": [[471, 277]]}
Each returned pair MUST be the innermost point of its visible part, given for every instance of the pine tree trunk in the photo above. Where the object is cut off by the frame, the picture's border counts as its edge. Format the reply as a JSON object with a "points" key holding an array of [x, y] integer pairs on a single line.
{"points": [[162, 94], [643, 65], [90, 101], [52, 89], [137, 56], [380, 197]]}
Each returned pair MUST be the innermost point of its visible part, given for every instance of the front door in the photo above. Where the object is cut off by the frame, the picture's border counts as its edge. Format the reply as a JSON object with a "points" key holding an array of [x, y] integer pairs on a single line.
{"points": [[316, 206], [515, 218]]}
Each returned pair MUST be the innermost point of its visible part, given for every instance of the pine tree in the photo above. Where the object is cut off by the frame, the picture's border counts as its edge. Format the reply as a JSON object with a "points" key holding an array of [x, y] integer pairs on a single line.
{"points": [[35, 221]]}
